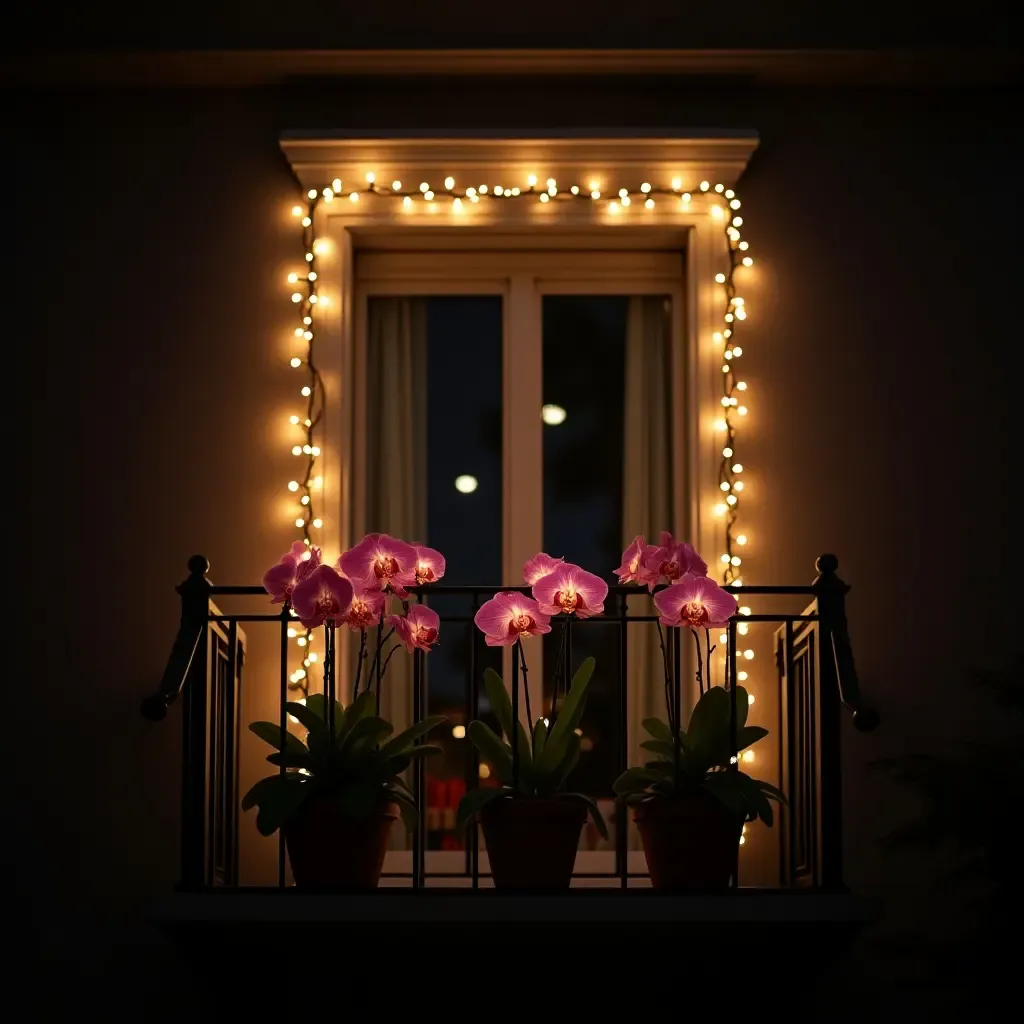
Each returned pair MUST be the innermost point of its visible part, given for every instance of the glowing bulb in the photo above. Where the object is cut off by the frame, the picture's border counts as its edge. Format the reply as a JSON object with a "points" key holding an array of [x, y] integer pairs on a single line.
{"points": [[716, 212], [466, 484], [750, 696], [544, 197], [725, 558], [685, 198], [645, 187], [623, 193], [613, 207], [354, 196], [314, 451], [743, 629], [744, 610], [737, 466], [306, 391], [736, 560], [704, 186], [735, 204], [742, 410], [424, 187], [302, 641], [296, 211], [482, 190], [306, 222], [748, 755], [717, 337], [328, 195], [720, 278], [649, 204], [741, 385], [296, 361], [553, 415], [498, 190], [396, 186], [677, 184], [297, 449], [293, 485], [724, 486], [748, 261], [314, 299], [575, 190], [725, 368], [291, 633], [449, 182], [595, 194], [370, 177], [720, 425], [742, 676], [743, 839], [428, 195], [743, 245], [457, 204], [304, 500], [748, 654], [727, 452], [311, 194], [312, 275], [407, 202], [720, 509], [318, 523], [531, 181], [626, 200], [551, 183], [459, 732], [731, 499], [741, 539], [296, 297], [738, 486], [484, 771], [309, 257], [737, 351], [300, 523]]}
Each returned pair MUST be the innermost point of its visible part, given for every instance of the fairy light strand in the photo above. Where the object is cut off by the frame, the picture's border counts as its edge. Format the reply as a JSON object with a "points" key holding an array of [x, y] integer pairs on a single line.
{"points": [[616, 203]]}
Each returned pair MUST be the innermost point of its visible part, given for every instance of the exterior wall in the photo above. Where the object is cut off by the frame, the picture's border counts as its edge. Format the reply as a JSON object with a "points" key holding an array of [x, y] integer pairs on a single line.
{"points": [[160, 313]]}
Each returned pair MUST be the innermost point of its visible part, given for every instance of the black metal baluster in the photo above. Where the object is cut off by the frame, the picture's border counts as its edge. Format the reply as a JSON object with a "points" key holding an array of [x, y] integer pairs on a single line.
{"points": [[419, 839], [513, 739], [283, 719], [621, 810], [734, 760], [473, 767]]}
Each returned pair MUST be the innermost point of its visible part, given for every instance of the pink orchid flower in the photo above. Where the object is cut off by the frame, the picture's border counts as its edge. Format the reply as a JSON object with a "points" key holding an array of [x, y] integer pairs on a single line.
{"points": [[572, 590], [695, 601], [508, 616], [632, 557], [430, 565], [365, 610], [380, 562], [322, 597], [669, 560], [417, 629], [280, 580], [539, 566]]}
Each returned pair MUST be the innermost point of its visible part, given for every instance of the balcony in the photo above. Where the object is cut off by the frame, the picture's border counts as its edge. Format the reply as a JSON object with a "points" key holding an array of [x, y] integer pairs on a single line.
{"points": [[439, 879]]}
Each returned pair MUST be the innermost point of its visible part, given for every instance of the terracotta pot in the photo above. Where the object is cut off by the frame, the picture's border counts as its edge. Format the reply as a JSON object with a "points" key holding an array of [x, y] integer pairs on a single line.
{"points": [[532, 842], [330, 851], [690, 843]]}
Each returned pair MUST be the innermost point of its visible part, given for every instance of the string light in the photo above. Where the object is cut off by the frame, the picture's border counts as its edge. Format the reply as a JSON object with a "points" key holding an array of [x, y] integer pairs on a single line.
{"points": [[721, 204]]}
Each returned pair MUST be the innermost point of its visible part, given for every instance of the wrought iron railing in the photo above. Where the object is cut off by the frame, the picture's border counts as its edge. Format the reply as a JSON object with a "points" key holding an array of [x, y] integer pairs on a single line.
{"points": [[816, 676]]}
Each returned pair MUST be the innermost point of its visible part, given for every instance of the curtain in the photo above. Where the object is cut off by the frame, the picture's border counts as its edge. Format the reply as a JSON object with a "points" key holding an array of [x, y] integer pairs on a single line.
{"points": [[396, 452], [647, 506]]}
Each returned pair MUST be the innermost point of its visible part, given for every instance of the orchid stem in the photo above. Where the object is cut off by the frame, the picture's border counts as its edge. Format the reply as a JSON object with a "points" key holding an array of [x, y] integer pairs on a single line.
{"points": [[711, 650], [700, 663], [380, 644], [526, 686], [359, 663], [668, 681], [384, 669]]}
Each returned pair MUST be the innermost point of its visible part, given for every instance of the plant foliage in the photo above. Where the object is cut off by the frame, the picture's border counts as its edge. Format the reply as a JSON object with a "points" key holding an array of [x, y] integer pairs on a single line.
{"points": [[546, 758], [699, 760], [360, 766]]}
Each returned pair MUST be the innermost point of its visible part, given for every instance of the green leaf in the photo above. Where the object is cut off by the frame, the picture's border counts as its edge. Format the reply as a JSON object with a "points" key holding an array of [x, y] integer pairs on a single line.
{"points": [[397, 744], [663, 747], [656, 728], [365, 704], [293, 760], [729, 789], [365, 732], [634, 780], [279, 802], [499, 700], [256, 791], [563, 769], [749, 735], [270, 732], [770, 791], [595, 811], [492, 749], [540, 736], [313, 723], [424, 750], [569, 716], [317, 703], [406, 806], [501, 705], [476, 799]]}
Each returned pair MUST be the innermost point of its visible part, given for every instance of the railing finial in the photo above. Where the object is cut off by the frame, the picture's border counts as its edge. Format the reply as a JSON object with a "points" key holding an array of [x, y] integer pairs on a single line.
{"points": [[199, 565]]}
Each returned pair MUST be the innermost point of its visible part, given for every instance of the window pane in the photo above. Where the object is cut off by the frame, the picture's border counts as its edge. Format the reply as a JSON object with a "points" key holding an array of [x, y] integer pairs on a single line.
{"points": [[463, 521]]}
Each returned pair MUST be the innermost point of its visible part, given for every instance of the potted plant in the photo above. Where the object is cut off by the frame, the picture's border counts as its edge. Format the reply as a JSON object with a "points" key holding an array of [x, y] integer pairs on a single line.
{"points": [[337, 794], [531, 823], [691, 799]]}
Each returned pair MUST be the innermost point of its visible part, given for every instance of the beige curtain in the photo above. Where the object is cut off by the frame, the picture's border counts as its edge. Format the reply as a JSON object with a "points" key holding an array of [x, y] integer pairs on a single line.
{"points": [[396, 452], [647, 480]]}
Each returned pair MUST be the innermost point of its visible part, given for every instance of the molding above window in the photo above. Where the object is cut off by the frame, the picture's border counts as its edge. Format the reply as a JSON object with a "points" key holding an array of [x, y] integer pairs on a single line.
{"points": [[615, 159]]}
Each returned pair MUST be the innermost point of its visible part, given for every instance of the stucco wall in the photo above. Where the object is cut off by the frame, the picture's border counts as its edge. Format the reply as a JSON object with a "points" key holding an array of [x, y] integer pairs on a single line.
{"points": [[151, 233]]}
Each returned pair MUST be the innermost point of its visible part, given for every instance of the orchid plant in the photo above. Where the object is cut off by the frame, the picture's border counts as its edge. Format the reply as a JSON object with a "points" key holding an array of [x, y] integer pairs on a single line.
{"points": [[548, 748], [349, 753], [699, 757]]}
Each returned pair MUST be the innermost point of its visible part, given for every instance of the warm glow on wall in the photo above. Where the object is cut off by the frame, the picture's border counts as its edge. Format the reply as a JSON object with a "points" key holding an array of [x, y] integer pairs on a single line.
{"points": [[446, 196]]}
